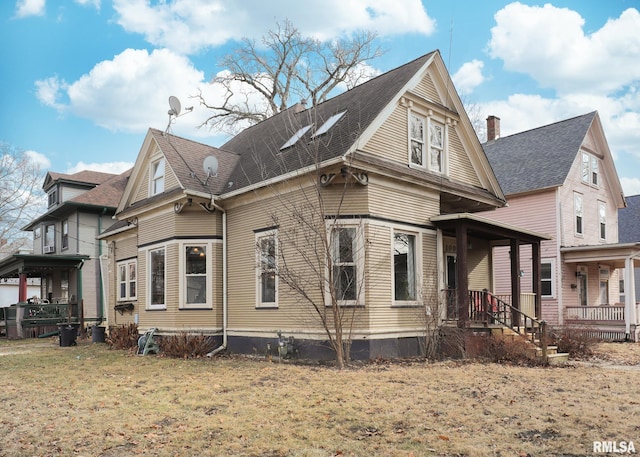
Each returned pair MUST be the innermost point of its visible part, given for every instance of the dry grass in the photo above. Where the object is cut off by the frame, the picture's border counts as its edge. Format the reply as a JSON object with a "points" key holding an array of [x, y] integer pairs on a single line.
{"points": [[88, 400]]}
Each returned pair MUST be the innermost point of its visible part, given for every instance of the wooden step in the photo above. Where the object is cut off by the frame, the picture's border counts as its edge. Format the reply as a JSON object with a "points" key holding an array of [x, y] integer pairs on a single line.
{"points": [[557, 359]]}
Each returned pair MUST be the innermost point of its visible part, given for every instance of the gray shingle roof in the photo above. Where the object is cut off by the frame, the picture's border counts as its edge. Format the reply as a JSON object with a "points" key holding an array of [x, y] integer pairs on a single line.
{"points": [[629, 221], [538, 158], [259, 146]]}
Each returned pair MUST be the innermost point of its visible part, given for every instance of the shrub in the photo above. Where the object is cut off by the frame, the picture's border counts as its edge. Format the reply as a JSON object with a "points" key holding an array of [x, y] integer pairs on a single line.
{"points": [[510, 349], [185, 345], [577, 341], [123, 337]]}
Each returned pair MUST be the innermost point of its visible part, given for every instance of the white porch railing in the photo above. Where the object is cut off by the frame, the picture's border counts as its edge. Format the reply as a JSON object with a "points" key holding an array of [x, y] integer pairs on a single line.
{"points": [[610, 313]]}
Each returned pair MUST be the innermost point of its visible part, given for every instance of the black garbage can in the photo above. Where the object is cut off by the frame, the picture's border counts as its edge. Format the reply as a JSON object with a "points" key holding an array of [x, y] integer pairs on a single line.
{"points": [[97, 334], [68, 334]]}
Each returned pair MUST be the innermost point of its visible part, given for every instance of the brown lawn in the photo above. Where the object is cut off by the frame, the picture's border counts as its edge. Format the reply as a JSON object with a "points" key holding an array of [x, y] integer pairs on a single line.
{"points": [[91, 401]]}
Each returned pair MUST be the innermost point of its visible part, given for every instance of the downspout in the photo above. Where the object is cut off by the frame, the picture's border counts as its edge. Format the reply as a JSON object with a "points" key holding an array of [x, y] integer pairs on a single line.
{"points": [[100, 304], [223, 346]]}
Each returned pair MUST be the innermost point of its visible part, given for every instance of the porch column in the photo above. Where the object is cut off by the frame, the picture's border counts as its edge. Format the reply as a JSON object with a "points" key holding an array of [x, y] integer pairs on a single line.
{"points": [[515, 279], [629, 295], [537, 283], [22, 288], [462, 286]]}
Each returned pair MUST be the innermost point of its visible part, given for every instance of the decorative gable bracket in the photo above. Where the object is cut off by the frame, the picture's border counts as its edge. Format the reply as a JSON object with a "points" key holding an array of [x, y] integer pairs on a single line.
{"points": [[360, 177]]}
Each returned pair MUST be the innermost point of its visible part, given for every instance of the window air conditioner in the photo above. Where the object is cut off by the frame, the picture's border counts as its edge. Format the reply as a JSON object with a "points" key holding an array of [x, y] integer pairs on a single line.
{"points": [[49, 249]]}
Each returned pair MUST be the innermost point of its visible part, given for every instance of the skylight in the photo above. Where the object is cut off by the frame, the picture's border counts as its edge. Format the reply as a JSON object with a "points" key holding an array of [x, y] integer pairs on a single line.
{"points": [[295, 137], [327, 125]]}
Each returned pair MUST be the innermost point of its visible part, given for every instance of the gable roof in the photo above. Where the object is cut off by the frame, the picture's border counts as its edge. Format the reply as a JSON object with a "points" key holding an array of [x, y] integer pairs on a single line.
{"points": [[259, 146], [629, 221], [84, 177], [539, 158]]}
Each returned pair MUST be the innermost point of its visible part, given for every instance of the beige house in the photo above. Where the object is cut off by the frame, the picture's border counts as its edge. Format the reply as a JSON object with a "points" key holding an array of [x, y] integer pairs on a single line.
{"points": [[364, 202]]}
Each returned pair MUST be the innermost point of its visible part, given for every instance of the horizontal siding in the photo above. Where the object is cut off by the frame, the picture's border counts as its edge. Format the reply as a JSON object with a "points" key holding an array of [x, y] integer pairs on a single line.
{"points": [[460, 167], [156, 227], [126, 247], [195, 221], [391, 140], [401, 202], [427, 89], [478, 264]]}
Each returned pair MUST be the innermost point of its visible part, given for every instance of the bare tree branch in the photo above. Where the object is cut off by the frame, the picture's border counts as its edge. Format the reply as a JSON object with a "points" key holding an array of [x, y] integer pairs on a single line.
{"points": [[260, 81]]}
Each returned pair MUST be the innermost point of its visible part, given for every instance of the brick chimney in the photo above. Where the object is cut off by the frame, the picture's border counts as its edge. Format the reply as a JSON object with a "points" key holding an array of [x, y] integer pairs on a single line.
{"points": [[493, 128]]}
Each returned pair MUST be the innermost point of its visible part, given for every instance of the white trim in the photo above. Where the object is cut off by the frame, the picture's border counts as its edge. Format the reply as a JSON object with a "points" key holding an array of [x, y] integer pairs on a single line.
{"points": [[358, 259], [152, 175], [576, 196], [417, 261], [149, 250], [258, 268], [127, 281], [552, 279], [182, 301]]}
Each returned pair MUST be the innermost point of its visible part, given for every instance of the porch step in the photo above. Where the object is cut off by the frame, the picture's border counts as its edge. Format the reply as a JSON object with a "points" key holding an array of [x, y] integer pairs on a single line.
{"points": [[557, 359]]}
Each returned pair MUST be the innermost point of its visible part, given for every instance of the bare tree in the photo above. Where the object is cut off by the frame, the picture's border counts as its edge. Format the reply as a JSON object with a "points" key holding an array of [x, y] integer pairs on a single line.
{"points": [[20, 194], [261, 81]]}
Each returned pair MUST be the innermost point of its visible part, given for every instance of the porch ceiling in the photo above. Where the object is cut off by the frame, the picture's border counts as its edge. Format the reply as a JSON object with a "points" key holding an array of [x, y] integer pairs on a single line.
{"points": [[481, 227], [34, 265], [611, 254]]}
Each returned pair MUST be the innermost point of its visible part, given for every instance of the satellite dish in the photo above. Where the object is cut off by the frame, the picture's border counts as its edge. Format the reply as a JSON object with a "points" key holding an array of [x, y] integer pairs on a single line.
{"points": [[210, 166], [174, 103]]}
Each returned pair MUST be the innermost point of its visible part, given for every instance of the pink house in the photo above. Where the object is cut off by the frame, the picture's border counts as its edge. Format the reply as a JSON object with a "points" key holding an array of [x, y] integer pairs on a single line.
{"points": [[560, 180]]}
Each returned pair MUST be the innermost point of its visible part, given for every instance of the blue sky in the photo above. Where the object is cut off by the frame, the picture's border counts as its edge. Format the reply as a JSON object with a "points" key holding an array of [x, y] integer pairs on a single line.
{"points": [[83, 80]]}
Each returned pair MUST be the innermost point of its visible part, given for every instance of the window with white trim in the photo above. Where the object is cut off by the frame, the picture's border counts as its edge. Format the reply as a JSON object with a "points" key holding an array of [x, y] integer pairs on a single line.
{"points": [[196, 274], [156, 277], [346, 268], [65, 234], [404, 267], [127, 280], [416, 140], [267, 262], [436, 146], [157, 177], [602, 217], [578, 213], [590, 169], [547, 278], [49, 240], [52, 197]]}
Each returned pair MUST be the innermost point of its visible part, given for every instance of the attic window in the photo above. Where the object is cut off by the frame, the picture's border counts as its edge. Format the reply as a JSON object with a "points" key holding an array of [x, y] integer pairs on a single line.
{"points": [[328, 124], [157, 177], [295, 137]]}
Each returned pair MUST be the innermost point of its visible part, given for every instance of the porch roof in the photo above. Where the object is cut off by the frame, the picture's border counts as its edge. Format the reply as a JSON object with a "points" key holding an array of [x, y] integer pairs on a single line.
{"points": [[482, 227], [613, 254], [34, 265]]}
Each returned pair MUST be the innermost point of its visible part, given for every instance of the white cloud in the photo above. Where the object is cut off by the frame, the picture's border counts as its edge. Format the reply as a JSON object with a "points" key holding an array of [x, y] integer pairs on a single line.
{"points": [[108, 167], [94, 3], [189, 26], [630, 186], [25, 8], [43, 162], [469, 76], [550, 44], [129, 93]]}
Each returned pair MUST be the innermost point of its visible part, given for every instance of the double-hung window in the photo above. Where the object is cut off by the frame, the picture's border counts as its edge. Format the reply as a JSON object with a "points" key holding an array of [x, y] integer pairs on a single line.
{"points": [[602, 217], [127, 282], [267, 263], [547, 279], [404, 267], [436, 146], [590, 169], [196, 274], [346, 268], [156, 278], [417, 140], [579, 213], [49, 240], [157, 177], [65, 234]]}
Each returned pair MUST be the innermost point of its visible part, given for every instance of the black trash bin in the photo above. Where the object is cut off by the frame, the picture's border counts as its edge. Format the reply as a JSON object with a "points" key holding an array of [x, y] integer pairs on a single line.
{"points": [[68, 334], [97, 334]]}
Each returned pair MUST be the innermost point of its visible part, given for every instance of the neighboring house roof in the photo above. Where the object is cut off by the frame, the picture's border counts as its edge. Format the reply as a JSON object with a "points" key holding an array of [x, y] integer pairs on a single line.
{"points": [[629, 221], [106, 194], [259, 146], [84, 177], [539, 158]]}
